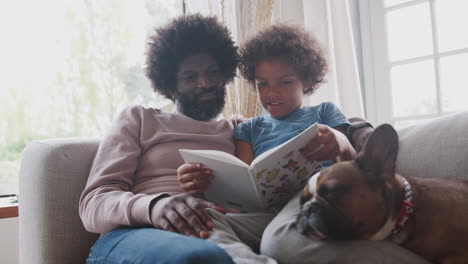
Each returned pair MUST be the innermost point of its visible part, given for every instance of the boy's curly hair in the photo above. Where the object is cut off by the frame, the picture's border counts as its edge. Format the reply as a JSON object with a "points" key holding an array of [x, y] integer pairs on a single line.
{"points": [[182, 37], [290, 44]]}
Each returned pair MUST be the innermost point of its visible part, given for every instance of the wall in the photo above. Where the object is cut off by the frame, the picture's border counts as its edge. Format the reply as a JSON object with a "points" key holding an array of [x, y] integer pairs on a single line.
{"points": [[9, 240]]}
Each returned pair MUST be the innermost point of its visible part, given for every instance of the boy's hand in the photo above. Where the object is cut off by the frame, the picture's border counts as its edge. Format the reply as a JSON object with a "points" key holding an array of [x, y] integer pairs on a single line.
{"points": [[194, 178], [329, 144]]}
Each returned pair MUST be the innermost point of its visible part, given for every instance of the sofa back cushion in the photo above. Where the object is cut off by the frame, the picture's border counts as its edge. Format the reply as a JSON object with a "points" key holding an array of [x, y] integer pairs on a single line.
{"points": [[438, 148]]}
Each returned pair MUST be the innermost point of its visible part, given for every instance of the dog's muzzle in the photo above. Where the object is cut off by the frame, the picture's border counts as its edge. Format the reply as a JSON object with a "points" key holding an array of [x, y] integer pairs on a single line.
{"points": [[311, 221]]}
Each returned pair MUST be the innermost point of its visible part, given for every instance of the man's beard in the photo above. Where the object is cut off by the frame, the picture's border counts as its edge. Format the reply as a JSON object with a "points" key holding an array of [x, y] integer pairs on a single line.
{"points": [[202, 110]]}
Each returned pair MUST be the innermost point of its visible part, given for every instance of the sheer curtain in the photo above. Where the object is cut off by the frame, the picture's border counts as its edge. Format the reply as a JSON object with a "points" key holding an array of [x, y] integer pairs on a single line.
{"points": [[243, 18], [330, 22]]}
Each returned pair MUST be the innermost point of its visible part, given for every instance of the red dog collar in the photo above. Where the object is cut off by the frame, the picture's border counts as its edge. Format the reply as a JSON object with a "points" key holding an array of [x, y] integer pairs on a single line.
{"points": [[406, 209]]}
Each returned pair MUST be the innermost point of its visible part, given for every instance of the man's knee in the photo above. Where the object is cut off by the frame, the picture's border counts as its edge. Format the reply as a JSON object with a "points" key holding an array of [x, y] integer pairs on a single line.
{"points": [[149, 245], [203, 252]]}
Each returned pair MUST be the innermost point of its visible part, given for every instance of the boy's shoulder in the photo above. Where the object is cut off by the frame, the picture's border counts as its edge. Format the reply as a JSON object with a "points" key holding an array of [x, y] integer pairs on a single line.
{"points": [[322, 107], [252, 121]]}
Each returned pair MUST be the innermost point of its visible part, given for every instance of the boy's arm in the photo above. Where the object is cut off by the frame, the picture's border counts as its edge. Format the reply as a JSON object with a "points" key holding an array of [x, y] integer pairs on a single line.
{"points": [[244, 151], [358, 132]]}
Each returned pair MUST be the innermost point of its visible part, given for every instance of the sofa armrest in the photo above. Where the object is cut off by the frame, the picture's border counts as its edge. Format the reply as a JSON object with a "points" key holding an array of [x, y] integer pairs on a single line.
{"points": [[52, 175], [438, 148]]}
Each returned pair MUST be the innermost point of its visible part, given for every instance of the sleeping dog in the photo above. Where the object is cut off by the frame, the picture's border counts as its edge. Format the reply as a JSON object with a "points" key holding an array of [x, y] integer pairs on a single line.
{"points": [[365, 199]]}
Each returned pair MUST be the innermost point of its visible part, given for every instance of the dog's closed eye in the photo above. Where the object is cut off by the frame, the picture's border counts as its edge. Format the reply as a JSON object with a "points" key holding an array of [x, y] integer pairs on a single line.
{"points": [[332, 192], [324, 191]]}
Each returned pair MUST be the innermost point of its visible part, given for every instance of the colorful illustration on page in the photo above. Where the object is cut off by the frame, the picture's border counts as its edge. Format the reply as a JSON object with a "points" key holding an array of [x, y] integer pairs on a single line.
{"points": [[280, 182]]}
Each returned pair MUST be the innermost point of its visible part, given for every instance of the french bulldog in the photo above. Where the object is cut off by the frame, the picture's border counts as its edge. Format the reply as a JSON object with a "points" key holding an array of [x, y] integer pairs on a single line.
{"points": [[365, 199]]}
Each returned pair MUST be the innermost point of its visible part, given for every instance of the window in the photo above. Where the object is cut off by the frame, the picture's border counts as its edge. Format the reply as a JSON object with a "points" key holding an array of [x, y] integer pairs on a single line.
{"points": [[415, 56], [68, 67]]}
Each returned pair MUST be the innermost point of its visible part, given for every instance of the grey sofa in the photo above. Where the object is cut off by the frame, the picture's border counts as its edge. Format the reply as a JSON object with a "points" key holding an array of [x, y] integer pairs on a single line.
{"points": [[53, 173]]}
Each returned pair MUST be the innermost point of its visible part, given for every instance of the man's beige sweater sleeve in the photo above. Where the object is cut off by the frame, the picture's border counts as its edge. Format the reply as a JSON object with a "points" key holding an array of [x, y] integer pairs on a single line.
{"points": [[108, 201]]}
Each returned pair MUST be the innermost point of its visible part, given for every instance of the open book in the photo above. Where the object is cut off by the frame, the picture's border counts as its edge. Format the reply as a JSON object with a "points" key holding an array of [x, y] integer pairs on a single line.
{"points": [[271, 180]]}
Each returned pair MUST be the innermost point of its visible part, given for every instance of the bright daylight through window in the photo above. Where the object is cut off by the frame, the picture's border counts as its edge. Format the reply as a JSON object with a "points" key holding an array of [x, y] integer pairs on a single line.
{"points": [[420, 56], [68, 67]]}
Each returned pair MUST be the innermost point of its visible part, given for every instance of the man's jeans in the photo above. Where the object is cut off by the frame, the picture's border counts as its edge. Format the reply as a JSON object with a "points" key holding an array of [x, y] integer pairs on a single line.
{"points": [[150, 245]]}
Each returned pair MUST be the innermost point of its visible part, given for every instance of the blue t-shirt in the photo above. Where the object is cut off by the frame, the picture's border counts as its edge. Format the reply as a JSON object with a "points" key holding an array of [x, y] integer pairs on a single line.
{"points": [[266, 132]]}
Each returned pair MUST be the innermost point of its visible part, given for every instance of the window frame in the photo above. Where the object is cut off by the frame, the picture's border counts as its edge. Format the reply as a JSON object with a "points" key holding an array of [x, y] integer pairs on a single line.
{"points": [[8, 207], [377, 68]]}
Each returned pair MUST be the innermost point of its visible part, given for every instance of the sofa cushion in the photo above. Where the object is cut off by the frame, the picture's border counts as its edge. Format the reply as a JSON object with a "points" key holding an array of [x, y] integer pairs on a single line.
{"points": [[438, 148]]}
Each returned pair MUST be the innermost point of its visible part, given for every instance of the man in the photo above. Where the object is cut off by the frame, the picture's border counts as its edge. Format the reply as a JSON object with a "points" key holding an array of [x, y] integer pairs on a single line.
{"points": [[132, 196]]}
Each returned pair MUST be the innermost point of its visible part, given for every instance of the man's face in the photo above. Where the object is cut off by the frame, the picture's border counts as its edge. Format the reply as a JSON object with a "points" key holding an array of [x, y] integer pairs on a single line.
{"points": [[200, 87]]}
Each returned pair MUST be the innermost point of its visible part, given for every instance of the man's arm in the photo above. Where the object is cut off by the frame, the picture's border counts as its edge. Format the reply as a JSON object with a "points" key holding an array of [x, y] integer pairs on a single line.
{"points": [[107, 201]]}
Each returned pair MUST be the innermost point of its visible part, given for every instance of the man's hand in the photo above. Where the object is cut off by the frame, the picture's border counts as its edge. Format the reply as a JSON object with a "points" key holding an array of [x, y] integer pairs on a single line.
{"points": [[329, 144], [193, 178], [184, 214], [236, 119]]}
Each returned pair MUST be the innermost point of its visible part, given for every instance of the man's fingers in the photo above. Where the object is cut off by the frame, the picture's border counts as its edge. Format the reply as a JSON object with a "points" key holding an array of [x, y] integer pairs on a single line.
{"points": [[183, 214], [179, 223], [192, 219], [165, 225], [199, 206]]}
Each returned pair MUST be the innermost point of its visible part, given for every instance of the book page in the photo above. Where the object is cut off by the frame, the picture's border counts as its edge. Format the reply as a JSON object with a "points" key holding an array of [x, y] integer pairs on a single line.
{"points": [[212, 154], [232, 186], [283, 171]]}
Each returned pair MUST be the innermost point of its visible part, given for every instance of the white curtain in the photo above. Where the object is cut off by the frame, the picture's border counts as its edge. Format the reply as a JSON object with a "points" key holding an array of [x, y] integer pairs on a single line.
{"points": [[330, 22]]}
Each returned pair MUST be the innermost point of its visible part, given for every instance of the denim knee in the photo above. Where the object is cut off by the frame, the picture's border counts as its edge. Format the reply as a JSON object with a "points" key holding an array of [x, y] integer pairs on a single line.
{"points": [[204, 252], [149, 245]]}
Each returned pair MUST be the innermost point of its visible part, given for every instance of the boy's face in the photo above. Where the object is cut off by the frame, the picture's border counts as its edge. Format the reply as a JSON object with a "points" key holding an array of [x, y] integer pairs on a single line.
{"points": [[279, 87], [200, 87]]}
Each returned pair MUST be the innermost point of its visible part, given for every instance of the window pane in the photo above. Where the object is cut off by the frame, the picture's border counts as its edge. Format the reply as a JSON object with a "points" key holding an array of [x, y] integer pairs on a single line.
{"points": [[451, 21], [69, 67], [395, 2], [454, 82], [409, 32], [413, 89]]}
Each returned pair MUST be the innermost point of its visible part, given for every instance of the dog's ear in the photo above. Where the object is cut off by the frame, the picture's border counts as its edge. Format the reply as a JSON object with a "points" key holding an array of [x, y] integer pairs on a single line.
{"points": [[378, 157]]}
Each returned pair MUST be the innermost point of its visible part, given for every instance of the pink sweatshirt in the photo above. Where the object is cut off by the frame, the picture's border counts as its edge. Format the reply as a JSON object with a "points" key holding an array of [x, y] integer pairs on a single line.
{"points": [[137, 161]]}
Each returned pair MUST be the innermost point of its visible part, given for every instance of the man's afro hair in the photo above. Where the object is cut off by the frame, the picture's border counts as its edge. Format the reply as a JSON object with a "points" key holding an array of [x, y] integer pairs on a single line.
{"points": [[185, 36]]}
